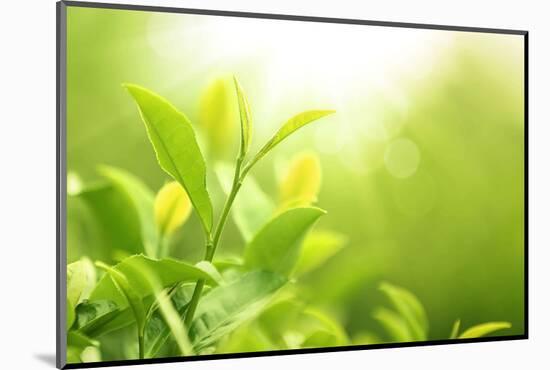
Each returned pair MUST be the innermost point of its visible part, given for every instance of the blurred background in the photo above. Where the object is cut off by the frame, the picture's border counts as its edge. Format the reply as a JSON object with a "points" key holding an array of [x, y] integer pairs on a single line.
{"points": [[423, 163]]}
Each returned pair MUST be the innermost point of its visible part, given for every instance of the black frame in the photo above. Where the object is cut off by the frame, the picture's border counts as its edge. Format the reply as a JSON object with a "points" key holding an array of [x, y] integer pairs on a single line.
{"points": [[61, 258]]}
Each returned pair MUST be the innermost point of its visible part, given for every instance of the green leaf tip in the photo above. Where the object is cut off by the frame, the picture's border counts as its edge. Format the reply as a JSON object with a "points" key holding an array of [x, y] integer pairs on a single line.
{"points": [[410, 309], [176, 148], [245, 117], [293, 124], [484, 329], [277, 246]]}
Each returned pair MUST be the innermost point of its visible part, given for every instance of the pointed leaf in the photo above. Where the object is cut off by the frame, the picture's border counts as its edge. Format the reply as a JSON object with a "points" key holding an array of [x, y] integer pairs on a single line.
{"points": [[410, 308], [176, 147], [484, 329], [217, 115], [133, 300], [395, 325], [327, 332], [226, 308], [276, 247], [172, 208], [141, 197], [168, 272], [246, 120], [454, 331], [289, 127]]}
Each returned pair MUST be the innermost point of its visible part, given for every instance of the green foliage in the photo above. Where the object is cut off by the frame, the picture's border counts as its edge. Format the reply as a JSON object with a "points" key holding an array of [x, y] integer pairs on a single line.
{"points": [[246, 120], [410, 322], [484, 329], [123, 202], [91, 316], [80, 280], [176, 148], [167, 271], [455, 329], [225, 308], [142, 200], [276, 247], [157, 331], [133, 300], [395, 325], [255, 301], [290, 126], [217, 116], [410, 308]]}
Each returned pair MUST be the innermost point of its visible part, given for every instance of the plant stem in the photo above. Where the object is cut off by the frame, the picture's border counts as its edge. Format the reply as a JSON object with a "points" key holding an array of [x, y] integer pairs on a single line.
{"points": [[141, 344], [213, 244]]}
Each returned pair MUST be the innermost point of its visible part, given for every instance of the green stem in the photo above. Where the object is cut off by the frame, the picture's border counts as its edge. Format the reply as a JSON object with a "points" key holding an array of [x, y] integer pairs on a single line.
{"points": [[141, 344], [211, 246]]}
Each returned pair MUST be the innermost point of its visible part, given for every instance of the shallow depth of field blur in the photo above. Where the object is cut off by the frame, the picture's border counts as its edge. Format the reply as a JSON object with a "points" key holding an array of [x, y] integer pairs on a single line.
{"points": [[422, 163]]}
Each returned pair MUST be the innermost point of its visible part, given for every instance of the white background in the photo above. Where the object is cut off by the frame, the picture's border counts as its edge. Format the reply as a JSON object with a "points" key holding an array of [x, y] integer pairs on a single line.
{"points": [[27, 205]]}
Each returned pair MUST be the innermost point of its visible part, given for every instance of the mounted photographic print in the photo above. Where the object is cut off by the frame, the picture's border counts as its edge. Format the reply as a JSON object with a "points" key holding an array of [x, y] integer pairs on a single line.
{"points": [[237, 184]]}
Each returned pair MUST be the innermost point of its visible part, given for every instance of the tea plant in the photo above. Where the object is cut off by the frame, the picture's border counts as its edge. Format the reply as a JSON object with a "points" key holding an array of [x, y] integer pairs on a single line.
{"points": [[408, 321], [163, 306]]}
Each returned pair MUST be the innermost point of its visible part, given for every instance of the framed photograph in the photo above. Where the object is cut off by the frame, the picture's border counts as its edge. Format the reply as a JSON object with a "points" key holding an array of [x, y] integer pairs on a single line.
{"points": [[237, 184]]}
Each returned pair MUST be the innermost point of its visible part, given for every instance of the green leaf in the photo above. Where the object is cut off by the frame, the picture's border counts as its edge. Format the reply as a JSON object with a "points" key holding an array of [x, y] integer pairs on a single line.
{"points": [[394, 324], [247, 338], [79, 340], [92, 315], [172, 208], [366, 337], [227, 307], [252, 208], [141, 198], [168, 271], [326, 332], [410, 308], [454, 331], [318, 247], [293, 124], [80, 280], [246, 120], [133, 299], [157, 332], [167, 310], [276, 247], [176, 147], [70, 314], [113, 224], [217, 115], [484, 329], [112, 321], [211, 270]]}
